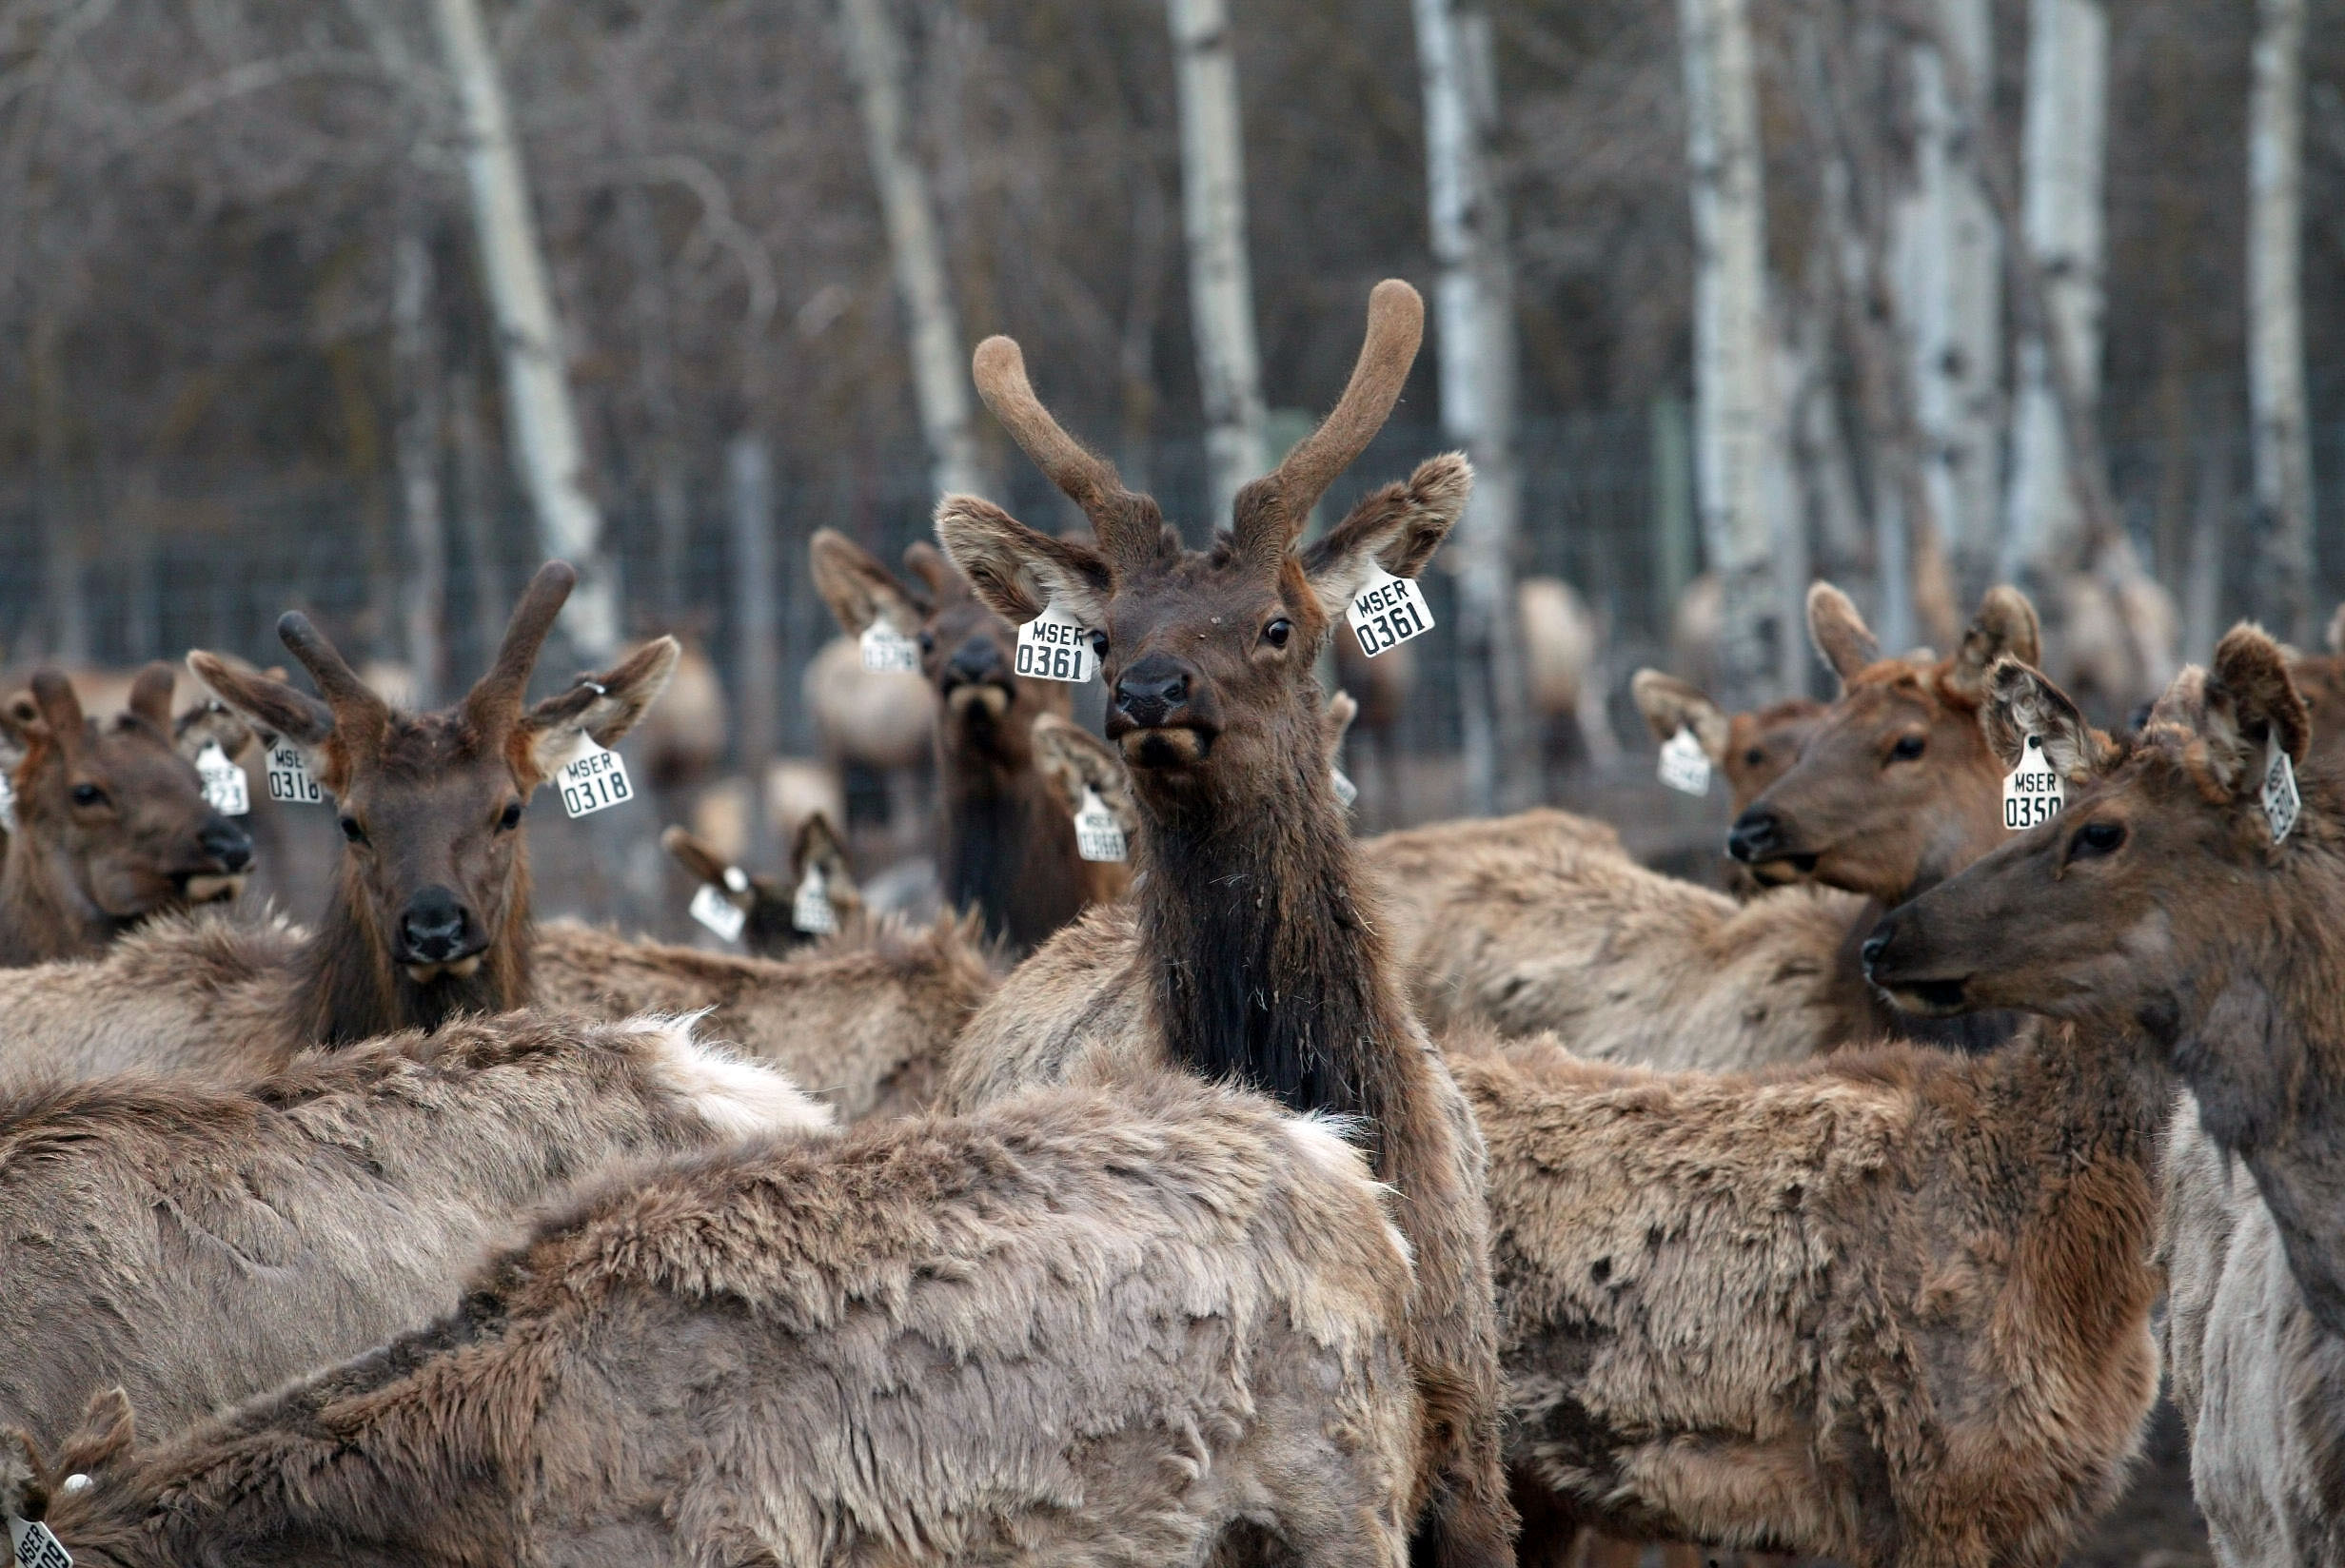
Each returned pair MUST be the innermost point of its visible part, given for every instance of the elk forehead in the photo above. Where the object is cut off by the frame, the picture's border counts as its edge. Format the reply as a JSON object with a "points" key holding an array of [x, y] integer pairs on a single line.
{"points": [[1207, 599]]}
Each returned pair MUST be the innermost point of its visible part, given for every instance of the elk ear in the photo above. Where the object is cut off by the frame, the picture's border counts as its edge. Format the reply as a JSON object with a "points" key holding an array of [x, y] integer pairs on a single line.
{"points": [[2337, 631], [817, 848], [2005, 627], [695, 856], [857, 588], [210, 723], [605, 706], [2018, 703], [1336, 722], [1398, 527], [150, 695], [1017, 571], [939, 585], [268, 704], [1669, 705], [1841, 638], [20, 725], [2248, 701], [1072, 759]]}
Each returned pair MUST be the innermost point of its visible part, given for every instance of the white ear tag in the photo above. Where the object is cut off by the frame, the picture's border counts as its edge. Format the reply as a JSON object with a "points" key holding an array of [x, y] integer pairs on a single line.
{"points": [[810, 907], [593, 780], [8, 802], [1388, 612], [712, 908], [1055, 646], [1346, 790], [2281, 804], [36, 1547], [885, 648], [289, 776], [736, 879], [2031, 790], [1684, 765], [224, 782], [1097, 834]]}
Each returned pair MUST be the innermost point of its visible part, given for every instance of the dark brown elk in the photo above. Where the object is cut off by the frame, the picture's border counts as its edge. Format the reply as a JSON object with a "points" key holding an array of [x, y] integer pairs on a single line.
{"points": [[1255, 949], [112, 825], [1004, 847], [1124, 1328], [769, 905], [362, 1185]]}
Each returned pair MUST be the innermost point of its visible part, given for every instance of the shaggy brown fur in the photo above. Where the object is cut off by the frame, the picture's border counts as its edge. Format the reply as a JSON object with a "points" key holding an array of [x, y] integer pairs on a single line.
{"points": [[863, 1021], [770, 905], [2321, 681], [197, 1246], [111, 822], [1078, 1329], [1891, 1308], [1254, 948], [1004, 847]]}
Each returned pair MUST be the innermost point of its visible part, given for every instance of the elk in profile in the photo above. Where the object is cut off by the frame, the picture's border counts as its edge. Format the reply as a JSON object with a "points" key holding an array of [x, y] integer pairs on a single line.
{"points": [[1004, 847], [769, 906], [1253, 947], [112, 823]]}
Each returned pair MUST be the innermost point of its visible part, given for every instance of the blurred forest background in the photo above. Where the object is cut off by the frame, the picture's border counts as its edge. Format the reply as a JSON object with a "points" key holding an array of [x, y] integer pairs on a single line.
{"points": [[1912, 294]]}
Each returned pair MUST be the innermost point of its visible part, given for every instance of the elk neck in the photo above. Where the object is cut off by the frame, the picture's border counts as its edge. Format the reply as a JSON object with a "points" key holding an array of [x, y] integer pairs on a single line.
{"points": [[349, 989], [44, 914]]}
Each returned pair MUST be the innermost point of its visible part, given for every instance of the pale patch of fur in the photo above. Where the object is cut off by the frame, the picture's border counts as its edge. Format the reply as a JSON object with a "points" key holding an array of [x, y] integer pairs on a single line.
{"points": [[738, 1098]]}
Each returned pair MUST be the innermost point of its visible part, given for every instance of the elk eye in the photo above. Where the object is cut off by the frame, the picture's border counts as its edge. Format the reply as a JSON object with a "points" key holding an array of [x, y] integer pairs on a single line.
{"points": [[1753, 758], [2096, 838], [1277, 632], [88, 794], [1907, 748], [510, 817], [1099, 644], [928, 642], [351, 831]]}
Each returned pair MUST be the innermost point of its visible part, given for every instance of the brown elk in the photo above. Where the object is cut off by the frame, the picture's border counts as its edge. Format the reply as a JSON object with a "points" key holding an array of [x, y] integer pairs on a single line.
{"points": [[769, 906], [1121, 1328], [1752, 750], [2321, 681], [113, 822], [1253, 950], [1005, 848]]}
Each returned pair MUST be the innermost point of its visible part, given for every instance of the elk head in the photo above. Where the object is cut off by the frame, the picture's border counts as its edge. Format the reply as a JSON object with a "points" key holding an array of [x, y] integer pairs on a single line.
{"points": [[1208, 654], [1753, 750], [2320, 679], [435, 882], [1895, 787], [771, 929], [112, 817]]}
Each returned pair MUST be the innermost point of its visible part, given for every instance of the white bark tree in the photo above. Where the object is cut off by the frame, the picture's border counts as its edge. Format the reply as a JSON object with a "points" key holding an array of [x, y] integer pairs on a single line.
{"points": [[2274, 312], [1221, 296], [2045, 524], [939, 355], [538, 406], [1737, 445], [1473, 305], [425, 611]]}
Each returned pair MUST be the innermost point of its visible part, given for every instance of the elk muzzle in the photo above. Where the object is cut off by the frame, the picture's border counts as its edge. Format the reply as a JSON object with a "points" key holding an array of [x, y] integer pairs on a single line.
{"points": [[976, 678], [1900, 965], [1156, 717], [437, 934], [227, 852], [1760, 840]]}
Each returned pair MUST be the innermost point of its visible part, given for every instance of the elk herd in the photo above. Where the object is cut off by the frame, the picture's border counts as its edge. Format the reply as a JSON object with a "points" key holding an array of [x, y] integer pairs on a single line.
{"points": [[1256, 1192]]}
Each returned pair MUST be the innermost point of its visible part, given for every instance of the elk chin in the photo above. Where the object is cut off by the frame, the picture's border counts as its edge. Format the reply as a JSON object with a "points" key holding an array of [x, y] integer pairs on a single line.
{"points": [[1929, 998], [456, 968], [1168, 747], [978, 698], [1783, 872], [205, 888]]}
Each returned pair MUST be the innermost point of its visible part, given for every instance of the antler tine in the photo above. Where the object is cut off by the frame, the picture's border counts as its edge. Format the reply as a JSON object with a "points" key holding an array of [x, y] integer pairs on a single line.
{"points": [[1089, 480], [1396, 327], [347, 697], [496, 697]]}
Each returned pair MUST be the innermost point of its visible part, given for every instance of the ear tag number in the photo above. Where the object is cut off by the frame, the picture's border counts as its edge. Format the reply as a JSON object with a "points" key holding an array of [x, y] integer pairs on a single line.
{"points": [[1055, 646], [885, 648], [1097, 834], [2031, 790], [224, 782], [2281, 804], [35, 1545], [712, 908], [1346, 790], [1388, 612], [289, 776], [1685, 766], [810, 907], [593, 780]]}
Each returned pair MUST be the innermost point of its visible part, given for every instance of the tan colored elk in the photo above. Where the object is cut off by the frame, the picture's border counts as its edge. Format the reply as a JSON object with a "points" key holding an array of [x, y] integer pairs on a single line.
{"points": [[112, 823], [1252, 946], [1118, 1328]]}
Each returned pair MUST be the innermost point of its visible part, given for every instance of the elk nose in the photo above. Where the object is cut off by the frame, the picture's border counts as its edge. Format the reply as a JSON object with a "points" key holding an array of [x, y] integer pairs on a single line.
{"points": [[1149, 692], [1875, 946], [973, 660], [1756, 835], [227, 843], [432, 926]]}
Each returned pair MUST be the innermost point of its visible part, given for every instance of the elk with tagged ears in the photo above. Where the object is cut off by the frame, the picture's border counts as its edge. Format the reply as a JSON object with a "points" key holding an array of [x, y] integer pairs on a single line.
{"points": [[112, 821], [769, 907], [1254, 950]]}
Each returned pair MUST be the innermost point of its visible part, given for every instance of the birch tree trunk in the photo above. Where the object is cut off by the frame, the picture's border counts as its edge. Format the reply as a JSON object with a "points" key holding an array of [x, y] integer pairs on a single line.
{"points": [[2275, 314], [940, 357], [543, 421], [1473, 303], [1734, 427], [1221, 297], [757, 656], [424, 612], [2045, 524], [61, 561]]}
